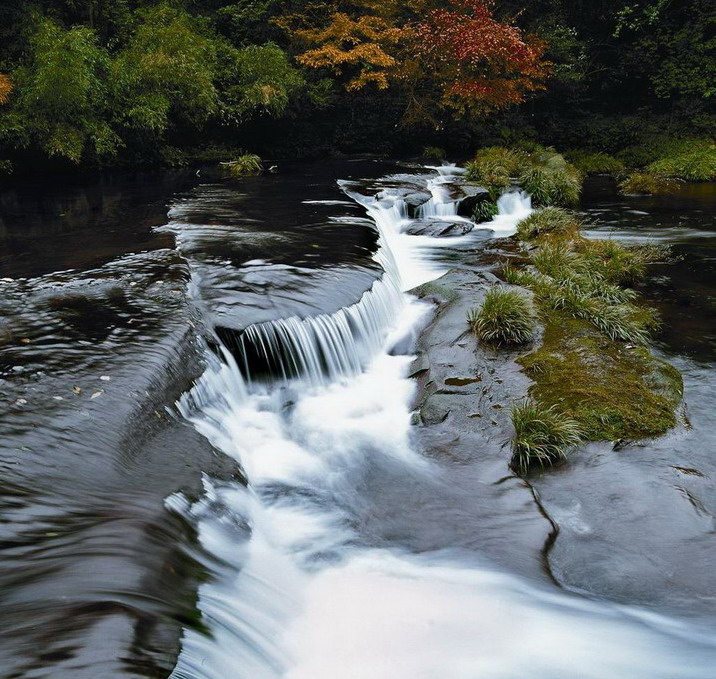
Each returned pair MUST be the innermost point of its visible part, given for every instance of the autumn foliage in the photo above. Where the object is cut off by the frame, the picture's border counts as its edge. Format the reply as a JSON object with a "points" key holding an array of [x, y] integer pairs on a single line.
{"points": [[477, 62], [456, 55], [5, 88], [362, 46]]}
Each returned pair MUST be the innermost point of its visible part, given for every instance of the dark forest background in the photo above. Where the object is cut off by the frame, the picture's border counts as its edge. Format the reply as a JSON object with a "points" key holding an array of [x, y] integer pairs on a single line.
{"points": [[100, 83]]}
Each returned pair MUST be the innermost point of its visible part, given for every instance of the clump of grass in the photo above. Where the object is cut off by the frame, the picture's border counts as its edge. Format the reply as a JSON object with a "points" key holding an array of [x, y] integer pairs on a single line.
{"points": [[542, 437], [484, 211], [594, 163], [505, 318], [546, 221], [434, 153], [619, 264], [648, 183], [542, 172], [560, 186], [618, 321], [247, 165], [693, 161], [494, 166]]}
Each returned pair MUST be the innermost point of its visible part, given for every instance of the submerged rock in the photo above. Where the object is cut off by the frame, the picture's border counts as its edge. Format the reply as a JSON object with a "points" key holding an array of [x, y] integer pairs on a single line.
{"points": [[439, 228]]}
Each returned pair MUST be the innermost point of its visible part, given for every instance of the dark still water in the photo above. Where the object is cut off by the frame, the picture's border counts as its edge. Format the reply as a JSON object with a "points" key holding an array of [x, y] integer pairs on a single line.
{"points": [[210, 467]]}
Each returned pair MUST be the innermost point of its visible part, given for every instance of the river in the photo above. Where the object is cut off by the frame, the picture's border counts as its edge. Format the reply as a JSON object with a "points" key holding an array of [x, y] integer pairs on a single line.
{"points": [[213, 464]]}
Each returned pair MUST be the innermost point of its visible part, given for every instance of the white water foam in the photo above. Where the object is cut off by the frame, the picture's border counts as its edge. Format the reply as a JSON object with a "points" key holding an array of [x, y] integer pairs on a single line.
{"points": [[298, 595]]}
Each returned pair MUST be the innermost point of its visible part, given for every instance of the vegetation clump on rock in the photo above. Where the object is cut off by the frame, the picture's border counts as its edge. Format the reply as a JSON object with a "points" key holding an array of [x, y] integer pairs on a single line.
{"points": [[593, 366], [542, 172], [247, 165], [506, 317], [543, 435]]}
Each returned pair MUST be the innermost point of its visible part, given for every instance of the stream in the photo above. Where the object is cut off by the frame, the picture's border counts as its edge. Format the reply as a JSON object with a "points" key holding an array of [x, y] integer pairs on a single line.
{"points": [[213, 464]]}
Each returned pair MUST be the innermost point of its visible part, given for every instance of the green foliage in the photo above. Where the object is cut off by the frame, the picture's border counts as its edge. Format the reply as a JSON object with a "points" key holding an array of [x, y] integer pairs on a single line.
{"points": [[62, 95], [648, 183], [244, 166], [493, 168], [256, 79], [484, 211], [505, 318], [619, 264], [543, 436], [692, 160], [548, 220], [434, 153], [166, 70], [594, 163], [542, 172], [559, 186]]}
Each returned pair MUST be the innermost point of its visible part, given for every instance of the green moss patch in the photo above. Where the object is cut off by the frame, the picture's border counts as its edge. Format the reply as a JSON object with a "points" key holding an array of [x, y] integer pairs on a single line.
{"points": [[611, 389]]}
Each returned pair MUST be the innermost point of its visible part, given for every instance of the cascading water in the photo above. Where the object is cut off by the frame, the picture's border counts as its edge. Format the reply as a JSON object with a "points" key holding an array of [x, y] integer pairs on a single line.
{"points": [[304, 589]]}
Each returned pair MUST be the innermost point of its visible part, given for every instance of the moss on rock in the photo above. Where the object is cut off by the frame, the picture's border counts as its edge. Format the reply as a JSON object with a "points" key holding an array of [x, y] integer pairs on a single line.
{"points": [[611, 389]]}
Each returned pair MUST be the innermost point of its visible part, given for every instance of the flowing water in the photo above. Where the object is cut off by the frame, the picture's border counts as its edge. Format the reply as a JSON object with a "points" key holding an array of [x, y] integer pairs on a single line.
{"points": [[308, 588], [339, 550]]}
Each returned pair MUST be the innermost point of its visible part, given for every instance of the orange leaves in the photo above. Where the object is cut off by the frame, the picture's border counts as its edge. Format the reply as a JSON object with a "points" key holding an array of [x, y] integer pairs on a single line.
{"points": [[5, 88], [456, 55], [361, 44]]}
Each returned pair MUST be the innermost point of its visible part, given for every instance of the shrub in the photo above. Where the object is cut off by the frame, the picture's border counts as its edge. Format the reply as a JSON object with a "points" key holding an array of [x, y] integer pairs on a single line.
{"points": [[506, 317], [594, 163], [484, 211], [648, 183], [545, 221], [542, 436], [244, 166]]}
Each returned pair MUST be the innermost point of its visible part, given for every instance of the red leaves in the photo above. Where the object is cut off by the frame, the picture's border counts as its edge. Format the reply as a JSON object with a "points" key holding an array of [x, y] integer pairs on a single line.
{"points": [[478, 61], [456, 55]]}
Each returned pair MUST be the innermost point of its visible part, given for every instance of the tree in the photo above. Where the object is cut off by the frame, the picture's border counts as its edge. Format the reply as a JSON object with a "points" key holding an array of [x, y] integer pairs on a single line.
{"points": [[62, 95], [165, 74], [456, 57], [258, 79], [477, 63]]}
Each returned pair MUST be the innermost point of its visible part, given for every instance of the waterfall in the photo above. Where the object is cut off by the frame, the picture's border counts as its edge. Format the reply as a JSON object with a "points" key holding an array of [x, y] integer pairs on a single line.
{"points": [[513, 206], [324, 347], [303, 586]]}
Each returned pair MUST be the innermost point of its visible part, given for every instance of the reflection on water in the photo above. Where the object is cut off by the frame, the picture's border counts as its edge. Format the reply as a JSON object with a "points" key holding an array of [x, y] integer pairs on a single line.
{"points": [[683, 290]]}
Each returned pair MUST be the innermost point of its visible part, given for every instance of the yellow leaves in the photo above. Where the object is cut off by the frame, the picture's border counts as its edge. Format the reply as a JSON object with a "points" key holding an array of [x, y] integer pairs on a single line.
{"points": [[362, 43], [5, 88]]}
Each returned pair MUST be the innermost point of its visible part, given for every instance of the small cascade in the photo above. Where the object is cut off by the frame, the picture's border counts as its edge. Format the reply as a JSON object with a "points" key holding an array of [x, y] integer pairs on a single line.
{"points": [[320, 348], [441, 205], [513, 206]]}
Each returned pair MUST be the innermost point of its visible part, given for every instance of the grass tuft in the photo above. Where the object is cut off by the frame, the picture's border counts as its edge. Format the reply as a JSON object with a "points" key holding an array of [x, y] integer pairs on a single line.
{"points": [[542, 436], [248, 165], [692, 161], [484, 211], [546, 221], [649, 183], [505, 318], [560, 186], [594, 163]]}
